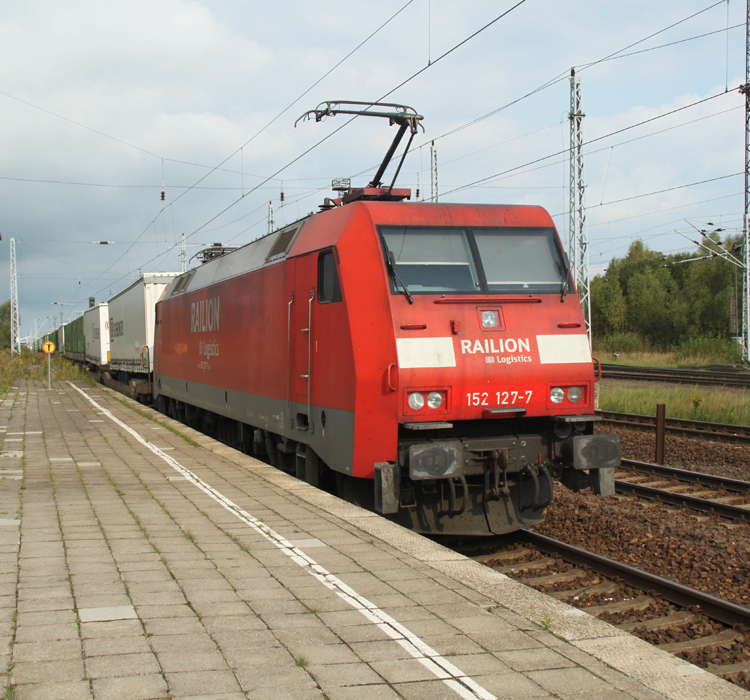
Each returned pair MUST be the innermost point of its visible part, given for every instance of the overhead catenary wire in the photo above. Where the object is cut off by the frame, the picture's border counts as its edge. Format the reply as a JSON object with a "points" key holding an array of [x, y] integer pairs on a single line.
{"points": [[362, 43], [668, 189], [565, 74], [651, 213], [412, 77], [110, 185], [215, 167], [335, 131], [612, 56], [594, 140], [726, 31], [564, 150], [297, 99], [263, 219], [271, 177], [79, 124]]}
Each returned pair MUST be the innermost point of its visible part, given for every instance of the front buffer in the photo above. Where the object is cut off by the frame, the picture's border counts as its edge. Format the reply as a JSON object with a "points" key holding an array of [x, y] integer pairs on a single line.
{"points": [[490, 485]]}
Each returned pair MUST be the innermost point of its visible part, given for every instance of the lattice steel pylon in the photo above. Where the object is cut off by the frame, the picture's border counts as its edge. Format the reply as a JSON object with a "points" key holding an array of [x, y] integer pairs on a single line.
{"points": [[434, 196], [271, 224], [15, 332], [745, 89], [578, 241]]}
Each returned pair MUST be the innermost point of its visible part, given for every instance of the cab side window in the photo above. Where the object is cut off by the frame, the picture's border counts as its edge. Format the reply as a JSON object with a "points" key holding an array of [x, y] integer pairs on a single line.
{"points": [[329, 289]]}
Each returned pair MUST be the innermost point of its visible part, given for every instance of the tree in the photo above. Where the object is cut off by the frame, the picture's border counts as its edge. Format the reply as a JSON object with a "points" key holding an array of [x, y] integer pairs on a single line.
{"points": [[664, 299], [649, 306], [709, 285], [609, 307]]}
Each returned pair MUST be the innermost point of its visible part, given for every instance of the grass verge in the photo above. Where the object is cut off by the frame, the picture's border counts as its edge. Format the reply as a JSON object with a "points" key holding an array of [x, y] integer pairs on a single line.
{"points": [[663, 360], [31, 365], [629, 349], [712, 404]]}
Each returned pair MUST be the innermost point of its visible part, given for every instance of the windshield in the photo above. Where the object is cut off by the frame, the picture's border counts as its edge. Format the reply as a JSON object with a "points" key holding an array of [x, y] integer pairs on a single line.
{"points": [[519, 260], [438, 260], [431, 260]]}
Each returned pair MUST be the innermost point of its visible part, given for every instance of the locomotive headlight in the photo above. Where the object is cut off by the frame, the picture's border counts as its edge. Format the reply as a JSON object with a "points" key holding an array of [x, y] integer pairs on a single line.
{"points": [[416, 401], [435, 400], [490, 319], [575, 394], [557, 395]]}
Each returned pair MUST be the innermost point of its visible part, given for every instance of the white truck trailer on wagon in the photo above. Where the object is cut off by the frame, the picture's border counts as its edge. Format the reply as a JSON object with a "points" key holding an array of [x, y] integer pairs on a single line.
{"points": [[131, 324], [96, 327]]}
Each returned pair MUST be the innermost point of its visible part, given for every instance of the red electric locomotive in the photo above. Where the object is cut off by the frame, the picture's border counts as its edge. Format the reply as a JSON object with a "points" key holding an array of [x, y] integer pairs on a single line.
{"points": [[428, 360]]}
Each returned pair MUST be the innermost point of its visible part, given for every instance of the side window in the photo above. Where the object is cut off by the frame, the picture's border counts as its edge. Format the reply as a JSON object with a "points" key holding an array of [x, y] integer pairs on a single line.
{"points": [[284, 240], [329, 289]]}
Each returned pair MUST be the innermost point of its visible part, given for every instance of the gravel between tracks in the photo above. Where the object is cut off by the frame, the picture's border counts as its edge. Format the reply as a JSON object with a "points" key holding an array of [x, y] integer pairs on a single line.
{"points": [[702, 553], [696, 454], [697, 551]]}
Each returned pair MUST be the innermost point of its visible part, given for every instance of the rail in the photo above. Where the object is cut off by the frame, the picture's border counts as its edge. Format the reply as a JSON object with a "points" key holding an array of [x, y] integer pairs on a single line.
{"points": [[726, 432], [687, 500], [738, 378], [721, 610]]}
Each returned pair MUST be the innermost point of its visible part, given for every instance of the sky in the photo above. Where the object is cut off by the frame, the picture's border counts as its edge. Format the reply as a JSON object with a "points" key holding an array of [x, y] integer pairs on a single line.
{"points": [[103, 103]]}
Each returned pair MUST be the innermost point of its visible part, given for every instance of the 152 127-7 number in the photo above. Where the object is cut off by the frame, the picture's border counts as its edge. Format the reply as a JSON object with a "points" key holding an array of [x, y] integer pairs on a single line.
{"points": [[498, 398]]}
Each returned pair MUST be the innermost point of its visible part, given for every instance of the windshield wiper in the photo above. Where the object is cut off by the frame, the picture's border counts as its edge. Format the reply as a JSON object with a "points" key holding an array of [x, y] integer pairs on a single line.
{"points": [[565, 289], [392, 267], [566, 284]]}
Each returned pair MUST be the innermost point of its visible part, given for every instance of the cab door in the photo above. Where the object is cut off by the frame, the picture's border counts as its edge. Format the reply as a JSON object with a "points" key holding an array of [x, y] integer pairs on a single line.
{"points": [[301, 332]]}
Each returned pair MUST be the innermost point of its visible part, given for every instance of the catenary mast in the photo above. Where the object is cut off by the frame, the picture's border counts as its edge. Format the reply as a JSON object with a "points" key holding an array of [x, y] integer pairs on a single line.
{"points": [[434, 196], [15, 332], [578, 243], [745, 89]]}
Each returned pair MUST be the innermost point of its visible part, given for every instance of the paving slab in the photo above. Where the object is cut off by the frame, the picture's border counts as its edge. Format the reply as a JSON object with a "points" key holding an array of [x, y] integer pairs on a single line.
{"points": [[136, 565]]}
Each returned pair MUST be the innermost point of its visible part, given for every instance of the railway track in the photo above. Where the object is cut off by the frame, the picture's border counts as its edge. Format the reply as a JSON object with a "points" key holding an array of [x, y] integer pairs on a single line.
{"points": [[707, 493], [739, 378], [718, 431], [697, 626]]}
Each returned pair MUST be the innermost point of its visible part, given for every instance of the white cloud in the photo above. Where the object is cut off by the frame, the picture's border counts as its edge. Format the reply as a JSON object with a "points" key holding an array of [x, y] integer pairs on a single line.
{"points": [[194, 80]]}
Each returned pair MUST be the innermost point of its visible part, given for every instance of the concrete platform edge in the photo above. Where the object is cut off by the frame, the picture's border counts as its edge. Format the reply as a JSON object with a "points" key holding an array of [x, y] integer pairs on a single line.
{"points": [[657, 670]]}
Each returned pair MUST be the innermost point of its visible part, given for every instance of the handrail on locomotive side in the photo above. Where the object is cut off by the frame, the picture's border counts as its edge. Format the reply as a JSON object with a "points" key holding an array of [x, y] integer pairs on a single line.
{"points": [[406, 117]]}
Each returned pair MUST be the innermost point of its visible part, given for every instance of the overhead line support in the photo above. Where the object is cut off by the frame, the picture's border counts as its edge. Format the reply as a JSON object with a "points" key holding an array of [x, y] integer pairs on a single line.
{"points": [[578, 243], [15, 332], [434, 195], [745, 90]]}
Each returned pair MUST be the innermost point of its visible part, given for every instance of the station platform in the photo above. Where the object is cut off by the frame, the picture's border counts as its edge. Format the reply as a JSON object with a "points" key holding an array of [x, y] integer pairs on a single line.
{"points": [[140, 559]]}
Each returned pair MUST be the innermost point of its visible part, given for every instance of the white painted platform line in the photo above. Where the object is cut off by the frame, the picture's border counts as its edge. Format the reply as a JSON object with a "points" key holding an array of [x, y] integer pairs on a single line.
{"points": [[440, 667]]}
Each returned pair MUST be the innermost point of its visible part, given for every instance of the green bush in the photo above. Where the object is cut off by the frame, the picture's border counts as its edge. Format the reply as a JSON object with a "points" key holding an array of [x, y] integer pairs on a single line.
{"points": [[714, 350], [621, 342]]}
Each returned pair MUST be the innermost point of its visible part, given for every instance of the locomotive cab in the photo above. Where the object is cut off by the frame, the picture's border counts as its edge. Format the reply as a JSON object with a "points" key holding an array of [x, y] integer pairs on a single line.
{"points": [[495, 379]]}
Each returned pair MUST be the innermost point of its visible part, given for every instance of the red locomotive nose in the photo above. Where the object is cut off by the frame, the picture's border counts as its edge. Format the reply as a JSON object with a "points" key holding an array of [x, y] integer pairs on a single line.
{"points": [[421, 358]]}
